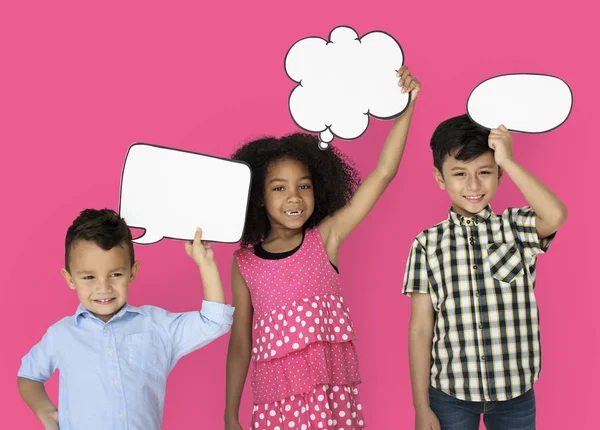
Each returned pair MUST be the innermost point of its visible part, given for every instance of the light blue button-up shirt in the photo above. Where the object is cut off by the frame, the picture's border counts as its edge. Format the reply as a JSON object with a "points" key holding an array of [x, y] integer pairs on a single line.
{"points": [[113, 375]]}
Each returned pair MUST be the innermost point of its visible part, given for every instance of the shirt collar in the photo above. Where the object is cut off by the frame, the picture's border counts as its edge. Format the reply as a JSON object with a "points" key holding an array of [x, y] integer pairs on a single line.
{"points": [[481, 216], [83, 312]]}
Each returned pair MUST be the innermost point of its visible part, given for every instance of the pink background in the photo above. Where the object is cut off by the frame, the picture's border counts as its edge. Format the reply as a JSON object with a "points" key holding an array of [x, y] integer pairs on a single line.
{"points": [[81, 81]]}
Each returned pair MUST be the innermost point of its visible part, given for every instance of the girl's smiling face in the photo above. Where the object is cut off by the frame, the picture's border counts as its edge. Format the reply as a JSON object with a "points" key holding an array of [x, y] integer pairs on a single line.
{"points": [[288, 194]]}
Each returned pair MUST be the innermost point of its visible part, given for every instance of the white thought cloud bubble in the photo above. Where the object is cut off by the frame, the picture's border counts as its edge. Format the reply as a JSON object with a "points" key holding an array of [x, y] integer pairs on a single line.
{"points": [[344, 80], [528, 103], [169, 192]]}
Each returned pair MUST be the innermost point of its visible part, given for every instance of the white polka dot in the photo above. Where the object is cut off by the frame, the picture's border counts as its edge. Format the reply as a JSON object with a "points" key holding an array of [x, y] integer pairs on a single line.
{"points": [[292, 424], [342, 320], [336, 389], [345, 336], [292, 329], [279, 343], [295, 346], [317, 320], [280, 317], [321, 398], [300, 308], [273, 352], [309, 314], [298, 318], [272, 413], [262, 416], [337, 329], [286, 339], [349, 422], [311, 329], [267, 329], [342, 414], [288, 408], [314, 305]]}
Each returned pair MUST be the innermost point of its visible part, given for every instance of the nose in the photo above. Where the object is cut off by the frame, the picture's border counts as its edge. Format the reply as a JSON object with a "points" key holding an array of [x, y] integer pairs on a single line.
{"points": [[103, 286], [473, 183], [294, 196]]}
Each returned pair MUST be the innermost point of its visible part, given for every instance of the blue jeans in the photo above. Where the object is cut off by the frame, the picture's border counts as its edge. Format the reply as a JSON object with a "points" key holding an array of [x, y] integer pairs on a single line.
{"points": [[455, 414]]}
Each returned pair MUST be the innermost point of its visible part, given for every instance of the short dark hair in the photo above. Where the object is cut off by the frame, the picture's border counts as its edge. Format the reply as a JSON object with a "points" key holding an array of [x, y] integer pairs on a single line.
{"points": [[461, 137], [333, 175], [104, 227]]}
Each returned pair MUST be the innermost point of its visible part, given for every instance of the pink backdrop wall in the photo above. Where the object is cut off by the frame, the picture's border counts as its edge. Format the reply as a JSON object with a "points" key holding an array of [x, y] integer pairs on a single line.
{"points": [[81, 81]]}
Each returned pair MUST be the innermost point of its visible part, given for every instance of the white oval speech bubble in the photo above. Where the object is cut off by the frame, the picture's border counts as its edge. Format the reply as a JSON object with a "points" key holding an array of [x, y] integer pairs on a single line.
{"points": [[523, 102], [169, 192], [344, 80]]}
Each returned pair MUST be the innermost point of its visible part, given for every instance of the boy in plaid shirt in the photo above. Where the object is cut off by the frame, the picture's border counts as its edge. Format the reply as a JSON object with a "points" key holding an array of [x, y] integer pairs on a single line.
{"points": [[474, 339]]}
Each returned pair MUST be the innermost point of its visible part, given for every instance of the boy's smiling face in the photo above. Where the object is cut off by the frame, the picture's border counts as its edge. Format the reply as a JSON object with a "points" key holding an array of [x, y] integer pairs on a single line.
{"points": [[471, 184], [101, 278]]}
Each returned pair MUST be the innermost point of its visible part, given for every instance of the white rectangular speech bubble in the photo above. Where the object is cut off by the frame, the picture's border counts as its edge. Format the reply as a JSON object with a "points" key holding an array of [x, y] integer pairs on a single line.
{"points": [[169, 192]]}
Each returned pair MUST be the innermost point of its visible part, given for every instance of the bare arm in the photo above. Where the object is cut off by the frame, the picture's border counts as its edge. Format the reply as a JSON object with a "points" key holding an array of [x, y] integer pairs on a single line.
{"points": [[35, 396], [203, 255], [336, 228], [420, 336], [550, 211], [240, 344]]}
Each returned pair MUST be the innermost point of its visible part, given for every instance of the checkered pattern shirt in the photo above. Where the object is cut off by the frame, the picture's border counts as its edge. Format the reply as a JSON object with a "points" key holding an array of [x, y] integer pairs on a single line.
{"points": [[480, 275]]}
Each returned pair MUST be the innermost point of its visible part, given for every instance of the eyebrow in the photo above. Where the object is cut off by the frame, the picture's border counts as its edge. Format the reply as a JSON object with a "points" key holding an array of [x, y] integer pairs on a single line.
{"points": [[85, 272], [487, 166], [285, 180]]}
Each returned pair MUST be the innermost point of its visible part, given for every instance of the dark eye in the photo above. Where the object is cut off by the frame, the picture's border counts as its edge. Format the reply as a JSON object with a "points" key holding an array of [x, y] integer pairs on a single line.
{"points": [[88, 278], [278, 189], [116, 275], [459, 174], [305, 186]]}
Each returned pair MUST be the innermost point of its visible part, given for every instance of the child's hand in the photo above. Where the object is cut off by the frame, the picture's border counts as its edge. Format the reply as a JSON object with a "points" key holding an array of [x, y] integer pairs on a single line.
{"points": [[50, 420], [426, 420], [408, 83], [230, 425], [500, 141], [200, 251]]}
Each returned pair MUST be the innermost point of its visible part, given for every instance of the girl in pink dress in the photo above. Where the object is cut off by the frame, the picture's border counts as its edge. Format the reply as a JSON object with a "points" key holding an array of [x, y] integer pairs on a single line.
{"points": [[290, 317]]}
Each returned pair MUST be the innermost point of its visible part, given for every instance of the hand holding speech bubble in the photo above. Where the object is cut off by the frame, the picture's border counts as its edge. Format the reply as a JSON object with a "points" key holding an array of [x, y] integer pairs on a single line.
{"points": [[170, 192], [527, 103], [344, 80]]}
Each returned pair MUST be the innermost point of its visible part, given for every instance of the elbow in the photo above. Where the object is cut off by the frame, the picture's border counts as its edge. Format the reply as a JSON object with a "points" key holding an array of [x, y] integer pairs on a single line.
{"points": [[559, 217]]}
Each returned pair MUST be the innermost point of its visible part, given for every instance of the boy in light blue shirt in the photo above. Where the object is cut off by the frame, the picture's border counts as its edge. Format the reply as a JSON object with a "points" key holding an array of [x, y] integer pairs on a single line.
{"points": [[113, 357]]}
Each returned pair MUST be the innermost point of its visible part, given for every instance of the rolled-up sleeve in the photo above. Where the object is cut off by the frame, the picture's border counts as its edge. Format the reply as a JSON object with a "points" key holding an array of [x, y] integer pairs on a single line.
{"points": [[416, 279], [522, 222], [40, 362], [190, 331]]}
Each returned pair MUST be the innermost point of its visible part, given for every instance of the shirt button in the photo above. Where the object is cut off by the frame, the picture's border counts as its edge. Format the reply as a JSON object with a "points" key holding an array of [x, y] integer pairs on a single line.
{"points": [[116, 382], [475, 266], [110, 352], [483, 358], [468, 221], [480, 325], [121, 414], [476, 293]]}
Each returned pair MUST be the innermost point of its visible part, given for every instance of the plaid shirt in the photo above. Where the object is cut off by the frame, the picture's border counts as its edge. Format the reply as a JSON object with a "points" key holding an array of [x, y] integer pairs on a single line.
{"points": [[480, 275]]}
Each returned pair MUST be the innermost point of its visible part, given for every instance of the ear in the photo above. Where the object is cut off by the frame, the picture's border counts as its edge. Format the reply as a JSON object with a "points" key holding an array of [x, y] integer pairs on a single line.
{"points": [[134, 271], [500, 174], [68, 278], [439, 178]]}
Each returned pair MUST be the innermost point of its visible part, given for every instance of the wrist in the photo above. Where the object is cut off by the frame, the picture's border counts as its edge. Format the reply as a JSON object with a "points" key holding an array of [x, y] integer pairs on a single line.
{"points": [[507, 163]]}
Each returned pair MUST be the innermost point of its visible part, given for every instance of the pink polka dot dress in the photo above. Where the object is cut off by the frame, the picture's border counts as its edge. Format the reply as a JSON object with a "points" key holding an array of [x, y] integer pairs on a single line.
{"points": [[305, 372]]}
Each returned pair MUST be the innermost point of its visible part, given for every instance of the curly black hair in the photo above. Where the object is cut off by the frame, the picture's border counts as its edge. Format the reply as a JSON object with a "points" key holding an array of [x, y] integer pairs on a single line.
{"points": [[333, 175]]}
